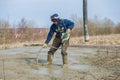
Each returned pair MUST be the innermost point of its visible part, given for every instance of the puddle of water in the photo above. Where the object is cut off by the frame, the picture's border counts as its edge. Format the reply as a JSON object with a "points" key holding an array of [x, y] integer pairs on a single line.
{"points": [[57, 72], [82, 50], [21, 50], [12, 51], [46, 71], [36, 50], [79, 67], [9, 72], [77, 51], [43, 71], [73, 60], [11, 63]]}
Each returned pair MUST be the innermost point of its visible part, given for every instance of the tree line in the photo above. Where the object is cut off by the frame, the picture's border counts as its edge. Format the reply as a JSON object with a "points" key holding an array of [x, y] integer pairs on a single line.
{"points": [[27, 31], [96, 27]]}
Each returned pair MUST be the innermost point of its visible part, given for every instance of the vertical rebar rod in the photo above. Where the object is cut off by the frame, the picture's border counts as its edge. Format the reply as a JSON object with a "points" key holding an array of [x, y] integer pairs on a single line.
{"points": [[3, 57], [3, 61]]}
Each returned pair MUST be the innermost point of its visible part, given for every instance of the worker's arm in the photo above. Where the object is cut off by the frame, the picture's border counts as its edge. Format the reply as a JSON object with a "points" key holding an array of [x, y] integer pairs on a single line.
{"points": [[49, 37]]}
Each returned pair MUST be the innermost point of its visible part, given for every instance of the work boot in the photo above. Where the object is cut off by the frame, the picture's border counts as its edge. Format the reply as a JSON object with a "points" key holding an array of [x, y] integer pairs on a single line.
{"points": [[65, 63], [49, 60]]}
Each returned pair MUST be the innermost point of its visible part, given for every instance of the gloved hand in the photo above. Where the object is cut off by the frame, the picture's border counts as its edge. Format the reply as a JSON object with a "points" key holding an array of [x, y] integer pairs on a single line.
{"points": [[44, 45], [65, 37], [68, 31]]}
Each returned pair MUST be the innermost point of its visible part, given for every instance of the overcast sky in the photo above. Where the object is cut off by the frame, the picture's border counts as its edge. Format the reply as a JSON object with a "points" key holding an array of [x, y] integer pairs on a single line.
{"points": [[40, 11]]}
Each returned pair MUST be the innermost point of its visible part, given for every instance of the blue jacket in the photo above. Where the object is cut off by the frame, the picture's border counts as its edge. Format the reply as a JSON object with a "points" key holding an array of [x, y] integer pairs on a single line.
{"points": [[59, 29]]}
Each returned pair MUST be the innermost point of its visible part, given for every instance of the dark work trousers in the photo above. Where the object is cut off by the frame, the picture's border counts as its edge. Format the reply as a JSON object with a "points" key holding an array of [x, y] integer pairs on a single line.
{"points": [[57, 42]]}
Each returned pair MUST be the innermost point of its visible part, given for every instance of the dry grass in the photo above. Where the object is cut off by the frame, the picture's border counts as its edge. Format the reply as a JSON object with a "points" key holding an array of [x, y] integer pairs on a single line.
{"points": [[113, 39]]}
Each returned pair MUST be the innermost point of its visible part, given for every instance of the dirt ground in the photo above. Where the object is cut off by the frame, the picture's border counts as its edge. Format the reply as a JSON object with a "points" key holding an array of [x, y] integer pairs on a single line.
{"points": [[84, 64]]}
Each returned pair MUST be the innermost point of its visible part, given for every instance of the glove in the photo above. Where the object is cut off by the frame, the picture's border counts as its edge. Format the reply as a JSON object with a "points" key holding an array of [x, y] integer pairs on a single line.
{"points": [[44, 45], [65, 37], [68, 31]]}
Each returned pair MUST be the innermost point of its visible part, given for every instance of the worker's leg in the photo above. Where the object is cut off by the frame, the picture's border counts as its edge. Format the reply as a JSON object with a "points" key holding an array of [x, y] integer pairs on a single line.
{"points": [[55, 45], [64, 53]]}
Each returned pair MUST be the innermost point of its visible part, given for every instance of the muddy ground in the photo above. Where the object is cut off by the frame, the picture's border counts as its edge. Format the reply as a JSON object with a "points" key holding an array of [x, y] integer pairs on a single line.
{"points": [[84, 64]]}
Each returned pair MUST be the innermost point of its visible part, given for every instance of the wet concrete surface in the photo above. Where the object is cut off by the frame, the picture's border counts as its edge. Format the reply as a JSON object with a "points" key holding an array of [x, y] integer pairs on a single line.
{"points": [[20, 64]]}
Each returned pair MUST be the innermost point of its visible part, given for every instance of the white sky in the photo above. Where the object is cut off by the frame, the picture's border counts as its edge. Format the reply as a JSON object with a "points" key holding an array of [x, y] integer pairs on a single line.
{"points": [[40, 10]]}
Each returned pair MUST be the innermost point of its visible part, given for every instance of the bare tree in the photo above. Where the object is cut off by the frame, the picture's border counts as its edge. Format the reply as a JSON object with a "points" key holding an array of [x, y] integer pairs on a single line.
{"points": [[108, 26], [117, 30], [4, 31], [26, 30]]}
